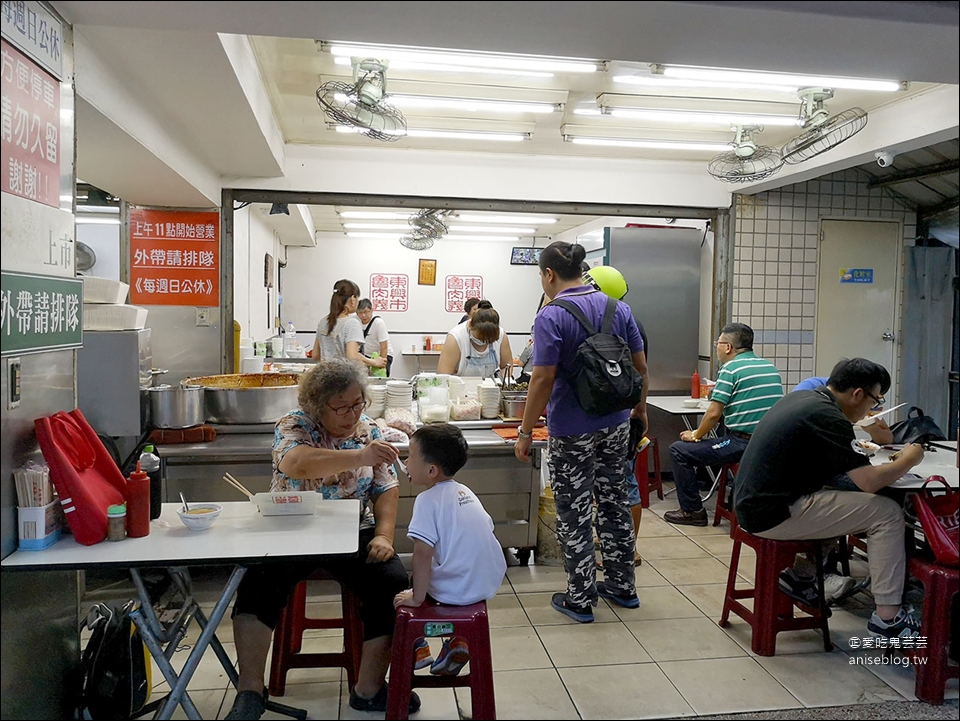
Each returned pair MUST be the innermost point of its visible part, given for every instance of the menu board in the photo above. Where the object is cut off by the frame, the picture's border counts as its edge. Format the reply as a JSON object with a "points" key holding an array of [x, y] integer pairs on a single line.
{"points": [[460, 287], [389, 292], [174, 257]]}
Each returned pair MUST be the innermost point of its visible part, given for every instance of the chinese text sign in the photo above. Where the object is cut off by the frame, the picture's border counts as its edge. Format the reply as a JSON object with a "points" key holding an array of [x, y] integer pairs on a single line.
{"points": [[460, 287], [40, 312], [389, 292]]}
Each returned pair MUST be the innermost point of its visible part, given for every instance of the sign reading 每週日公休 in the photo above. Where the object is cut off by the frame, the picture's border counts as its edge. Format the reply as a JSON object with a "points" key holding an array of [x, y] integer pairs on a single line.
{"points": [[30, 140], [38, 33], [174, 257], [39, 313]]}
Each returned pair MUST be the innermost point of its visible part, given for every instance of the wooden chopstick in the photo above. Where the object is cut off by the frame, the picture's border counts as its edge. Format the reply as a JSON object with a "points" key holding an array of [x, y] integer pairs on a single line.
{"points": [[237, 484]]}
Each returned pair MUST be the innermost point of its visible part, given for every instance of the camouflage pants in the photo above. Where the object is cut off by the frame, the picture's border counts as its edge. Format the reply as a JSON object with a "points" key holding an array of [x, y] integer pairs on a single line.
{"points": [[584, 467]]}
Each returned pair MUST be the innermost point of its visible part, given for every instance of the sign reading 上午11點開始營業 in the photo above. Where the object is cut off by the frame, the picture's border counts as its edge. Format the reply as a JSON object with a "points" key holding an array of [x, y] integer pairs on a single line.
{"points": [[174, 257], [40, 313]]}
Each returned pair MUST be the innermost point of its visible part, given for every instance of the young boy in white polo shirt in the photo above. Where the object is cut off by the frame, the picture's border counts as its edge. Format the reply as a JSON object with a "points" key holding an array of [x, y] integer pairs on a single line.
{"points": [[456, 558]]}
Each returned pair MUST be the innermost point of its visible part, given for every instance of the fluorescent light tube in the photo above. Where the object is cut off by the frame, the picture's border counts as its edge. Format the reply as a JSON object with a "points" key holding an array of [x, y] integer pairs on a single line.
{"points": [[438, 68], [98, 209], [376, 214], [452, 236], [662, 82], [496, 106], [467, 217], [450, 134], [689, 73], [84, 220], [501, 62], [700, 117], [378, 226], [395, 236], [455, 228], [653, 144]]}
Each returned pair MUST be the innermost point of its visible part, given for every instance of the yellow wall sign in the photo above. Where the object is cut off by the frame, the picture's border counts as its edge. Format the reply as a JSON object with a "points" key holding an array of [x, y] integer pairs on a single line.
{"points": [[428, 272]]}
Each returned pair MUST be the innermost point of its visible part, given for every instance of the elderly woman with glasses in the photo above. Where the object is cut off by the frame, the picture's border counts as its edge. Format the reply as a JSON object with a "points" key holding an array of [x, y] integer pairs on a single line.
{"points": [[328, 446]]}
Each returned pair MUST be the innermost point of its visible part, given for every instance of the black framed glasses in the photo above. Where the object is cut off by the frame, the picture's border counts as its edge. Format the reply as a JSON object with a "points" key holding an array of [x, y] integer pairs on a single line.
{"points": [[355, 408], [879, 401]]}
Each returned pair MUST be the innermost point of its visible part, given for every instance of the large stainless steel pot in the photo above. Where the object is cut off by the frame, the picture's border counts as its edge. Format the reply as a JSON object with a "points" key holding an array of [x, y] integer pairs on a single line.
{"points": [[172, 407], [248, 398]]}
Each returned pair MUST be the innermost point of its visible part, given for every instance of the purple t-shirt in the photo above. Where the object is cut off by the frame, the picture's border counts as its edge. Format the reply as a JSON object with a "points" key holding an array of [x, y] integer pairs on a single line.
{"points": [[556, 337]]}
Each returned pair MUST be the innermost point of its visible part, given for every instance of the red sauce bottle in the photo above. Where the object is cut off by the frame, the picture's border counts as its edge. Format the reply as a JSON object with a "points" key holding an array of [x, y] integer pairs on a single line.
{"points": [[695, 385], [138, 504]]}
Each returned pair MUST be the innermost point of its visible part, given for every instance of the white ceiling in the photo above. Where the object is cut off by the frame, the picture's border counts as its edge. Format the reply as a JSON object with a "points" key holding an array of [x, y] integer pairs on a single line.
{"points": [[231, 118]]}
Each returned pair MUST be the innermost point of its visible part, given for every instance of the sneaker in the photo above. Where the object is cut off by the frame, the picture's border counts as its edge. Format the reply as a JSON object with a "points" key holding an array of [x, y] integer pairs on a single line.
{"points": [[583, 614], [905, 624], [454, 655], [799, 588], [421, 654], [248, 705], [836, 587], [379, 701], [681, 517], [631, 601]]}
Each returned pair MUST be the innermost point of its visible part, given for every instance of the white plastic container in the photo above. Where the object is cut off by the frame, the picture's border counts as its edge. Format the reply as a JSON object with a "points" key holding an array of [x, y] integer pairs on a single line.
{"points": [[293, 503]]}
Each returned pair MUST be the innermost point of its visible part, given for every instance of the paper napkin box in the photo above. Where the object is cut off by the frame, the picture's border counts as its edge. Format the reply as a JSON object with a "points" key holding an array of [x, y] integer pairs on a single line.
{"points": [[39, 527]]}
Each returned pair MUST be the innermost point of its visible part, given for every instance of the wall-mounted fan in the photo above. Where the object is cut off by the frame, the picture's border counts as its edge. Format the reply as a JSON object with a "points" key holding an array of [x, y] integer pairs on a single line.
{"points": [[822, 131], [428, 227], [747, 161], [363, 104]]}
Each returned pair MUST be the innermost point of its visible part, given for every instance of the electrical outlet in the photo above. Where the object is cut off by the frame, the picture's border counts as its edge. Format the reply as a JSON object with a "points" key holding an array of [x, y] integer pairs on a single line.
{"points": [[13, 380], [203, 317]]}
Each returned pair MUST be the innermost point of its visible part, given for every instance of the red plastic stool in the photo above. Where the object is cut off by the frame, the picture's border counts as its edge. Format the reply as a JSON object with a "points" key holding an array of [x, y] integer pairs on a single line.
{"points": [[772, 609], [288, 637], [940, 585], [722, 510], [642, 470], [434, 619]]}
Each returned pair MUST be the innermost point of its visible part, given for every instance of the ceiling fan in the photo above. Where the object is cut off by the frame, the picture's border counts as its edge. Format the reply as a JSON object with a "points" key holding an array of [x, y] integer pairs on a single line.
{"points": [[747, 161], [428, 227], [822, 131], [363, 104]]}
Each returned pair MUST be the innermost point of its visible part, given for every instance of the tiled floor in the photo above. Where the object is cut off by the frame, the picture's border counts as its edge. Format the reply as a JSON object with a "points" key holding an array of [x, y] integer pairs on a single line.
{"points": [[667, 658]]}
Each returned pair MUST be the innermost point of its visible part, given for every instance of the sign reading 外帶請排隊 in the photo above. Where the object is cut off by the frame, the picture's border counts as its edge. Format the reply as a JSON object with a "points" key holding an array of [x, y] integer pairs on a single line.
{"points": [[40, 313], [856, 275]]}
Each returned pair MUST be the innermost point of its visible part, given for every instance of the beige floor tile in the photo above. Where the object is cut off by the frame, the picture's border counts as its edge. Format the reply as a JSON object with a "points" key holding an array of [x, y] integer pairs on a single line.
{"points": [[533, 694], [828, 679], [686, 571], [320, 700], [505, 610], [728, 685], [209, 675], [682, 639], [718, 546], [670, 547], [541, 613], [657, 602], [648, 576], [316, 644], [653, 526], [534, 579], [708, 530], [591, 644], [517, 649], [807, 641], [633, 691], [326, 590], [708, 597], [208, 703], [436, 703]]}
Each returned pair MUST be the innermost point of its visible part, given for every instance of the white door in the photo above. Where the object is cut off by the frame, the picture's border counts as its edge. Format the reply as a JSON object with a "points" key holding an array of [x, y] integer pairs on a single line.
{"points": [[857, 294]]}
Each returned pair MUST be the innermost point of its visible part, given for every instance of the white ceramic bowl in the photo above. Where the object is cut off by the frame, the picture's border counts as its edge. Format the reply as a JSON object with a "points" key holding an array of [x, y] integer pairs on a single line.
{"points": [[201, 515], [691, 402]]}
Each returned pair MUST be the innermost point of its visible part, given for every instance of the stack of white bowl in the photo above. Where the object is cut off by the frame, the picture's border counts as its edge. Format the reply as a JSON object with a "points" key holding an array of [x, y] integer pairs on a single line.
{"points": [[399, 394], [488, 393], [377, 393]]}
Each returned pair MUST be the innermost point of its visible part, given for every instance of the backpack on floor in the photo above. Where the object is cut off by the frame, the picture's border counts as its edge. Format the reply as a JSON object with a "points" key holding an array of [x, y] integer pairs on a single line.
{"points": [[115, 664]]}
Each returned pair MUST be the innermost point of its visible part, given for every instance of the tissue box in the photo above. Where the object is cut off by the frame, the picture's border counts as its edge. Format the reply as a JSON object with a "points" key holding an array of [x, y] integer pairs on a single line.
{"points": [[106, 316], [39, 527], [103, 290]]}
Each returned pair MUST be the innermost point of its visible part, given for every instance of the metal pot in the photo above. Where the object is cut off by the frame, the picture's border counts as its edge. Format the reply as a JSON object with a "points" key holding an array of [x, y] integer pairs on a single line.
{"points": [[248, 398], [172, 407], [514, 407]]}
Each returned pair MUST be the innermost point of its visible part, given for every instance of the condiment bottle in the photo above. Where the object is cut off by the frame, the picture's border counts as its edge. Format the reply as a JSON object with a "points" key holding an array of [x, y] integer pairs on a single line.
{"points": [[138, 504], [150, 463], [695, 385], [427, 343], [116, 522]]}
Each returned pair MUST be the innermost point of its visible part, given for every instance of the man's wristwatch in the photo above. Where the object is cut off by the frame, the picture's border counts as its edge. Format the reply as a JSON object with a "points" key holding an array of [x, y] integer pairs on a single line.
{"points": [[522, 434]]}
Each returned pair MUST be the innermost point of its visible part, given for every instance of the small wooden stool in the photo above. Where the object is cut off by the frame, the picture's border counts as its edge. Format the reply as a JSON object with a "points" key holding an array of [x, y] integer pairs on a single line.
{"points": [[434, 619], [772, 609]]}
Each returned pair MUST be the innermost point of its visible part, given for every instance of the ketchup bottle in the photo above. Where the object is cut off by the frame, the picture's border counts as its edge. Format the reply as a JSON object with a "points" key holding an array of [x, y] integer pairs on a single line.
{"points": [[695, 385], [138, 504]]}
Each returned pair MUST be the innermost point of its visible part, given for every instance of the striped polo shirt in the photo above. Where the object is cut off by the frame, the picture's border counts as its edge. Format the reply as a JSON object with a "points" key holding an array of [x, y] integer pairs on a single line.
{"points": [[747, 386]]}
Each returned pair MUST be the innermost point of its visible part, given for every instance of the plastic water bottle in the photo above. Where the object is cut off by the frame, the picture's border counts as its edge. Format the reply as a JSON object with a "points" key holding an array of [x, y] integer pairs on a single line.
{"points": [[290, 341], [150, 464]]}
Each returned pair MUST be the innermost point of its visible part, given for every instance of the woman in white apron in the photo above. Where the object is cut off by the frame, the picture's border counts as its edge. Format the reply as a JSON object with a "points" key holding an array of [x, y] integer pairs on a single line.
{"points": [[476, 348]]}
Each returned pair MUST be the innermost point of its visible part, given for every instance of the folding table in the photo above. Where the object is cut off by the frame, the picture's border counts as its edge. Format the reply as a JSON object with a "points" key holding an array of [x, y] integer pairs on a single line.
{"points": [[675, 407], [241, 536]]}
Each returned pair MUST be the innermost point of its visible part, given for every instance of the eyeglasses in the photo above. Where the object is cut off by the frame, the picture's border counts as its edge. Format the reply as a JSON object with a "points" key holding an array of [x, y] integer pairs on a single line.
{"points": [[356, 408], [724, 342], [879, 401]]}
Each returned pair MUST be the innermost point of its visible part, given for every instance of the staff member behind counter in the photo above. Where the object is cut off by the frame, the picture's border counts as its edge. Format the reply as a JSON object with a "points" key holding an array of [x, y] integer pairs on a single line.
{"points": [[477, 347], [339, 334]]}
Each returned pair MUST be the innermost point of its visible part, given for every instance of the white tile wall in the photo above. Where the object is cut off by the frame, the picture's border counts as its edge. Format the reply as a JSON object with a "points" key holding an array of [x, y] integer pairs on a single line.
{"points": [[775, 260]]}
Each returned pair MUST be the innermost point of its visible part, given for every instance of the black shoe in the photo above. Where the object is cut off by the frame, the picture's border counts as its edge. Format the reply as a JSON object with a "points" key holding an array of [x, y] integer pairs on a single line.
{"points": [[681, 517], [577, 613], [800, 589], [379, 701], [631, 601], [248, 705]]}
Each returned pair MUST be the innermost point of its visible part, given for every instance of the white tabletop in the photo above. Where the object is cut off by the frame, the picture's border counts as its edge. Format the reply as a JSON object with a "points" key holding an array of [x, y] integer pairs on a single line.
{"points": [[939, 463], [950, 445], [240, 535], [674, 405]]}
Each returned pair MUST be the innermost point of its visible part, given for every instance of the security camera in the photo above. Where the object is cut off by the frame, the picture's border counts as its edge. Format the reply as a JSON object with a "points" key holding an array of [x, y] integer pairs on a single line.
{"points": [[884, 159]]}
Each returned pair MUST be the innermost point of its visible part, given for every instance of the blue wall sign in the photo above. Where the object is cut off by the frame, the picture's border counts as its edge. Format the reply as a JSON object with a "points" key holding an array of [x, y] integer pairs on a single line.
{"points": [[856, 275]]}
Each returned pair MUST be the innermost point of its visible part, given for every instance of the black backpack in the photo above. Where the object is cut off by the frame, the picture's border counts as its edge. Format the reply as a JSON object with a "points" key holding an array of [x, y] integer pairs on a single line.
{"points": [[604, 379], [916, 428], [116, 674]]}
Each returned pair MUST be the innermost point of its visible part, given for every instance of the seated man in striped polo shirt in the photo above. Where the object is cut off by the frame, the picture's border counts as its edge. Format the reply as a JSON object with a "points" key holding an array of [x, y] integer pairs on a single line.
{"points": [[747, 386]]}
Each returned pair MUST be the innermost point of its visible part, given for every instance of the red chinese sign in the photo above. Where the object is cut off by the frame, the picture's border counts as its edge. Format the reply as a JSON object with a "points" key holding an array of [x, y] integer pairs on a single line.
{"points": [[389, 292], [30, 132], [174, 257], [460, 287]]}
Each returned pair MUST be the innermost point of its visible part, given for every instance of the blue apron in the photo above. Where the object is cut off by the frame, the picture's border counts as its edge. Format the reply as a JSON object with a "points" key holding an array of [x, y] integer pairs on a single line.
{"points": [[481, 364]]}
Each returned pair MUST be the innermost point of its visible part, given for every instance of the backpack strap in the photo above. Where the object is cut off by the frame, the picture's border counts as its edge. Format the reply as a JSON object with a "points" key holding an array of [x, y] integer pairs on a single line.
{"points": [[606, 325], [575, 311], [367, 329]]}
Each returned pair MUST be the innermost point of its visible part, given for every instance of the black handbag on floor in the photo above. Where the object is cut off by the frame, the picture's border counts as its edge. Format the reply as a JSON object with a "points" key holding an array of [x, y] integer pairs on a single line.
{"points": [[916, 429]]}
